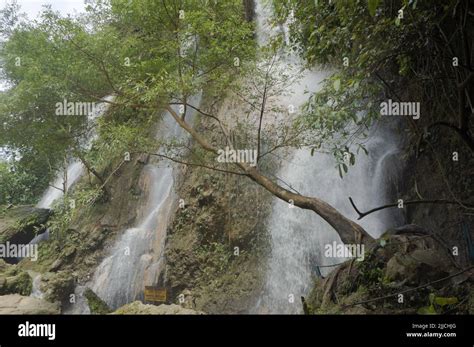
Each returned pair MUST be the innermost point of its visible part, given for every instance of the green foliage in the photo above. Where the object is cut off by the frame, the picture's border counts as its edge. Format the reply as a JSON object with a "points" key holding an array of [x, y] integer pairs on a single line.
{"points": [[115, 139], [15, 186], [16, 281], [437, 304], [147, 53], [373, 4], [70, 207], [379, 49]]}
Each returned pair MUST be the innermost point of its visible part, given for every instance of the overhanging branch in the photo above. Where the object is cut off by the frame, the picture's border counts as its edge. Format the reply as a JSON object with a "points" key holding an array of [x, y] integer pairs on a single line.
{"points": [[412, 202]]}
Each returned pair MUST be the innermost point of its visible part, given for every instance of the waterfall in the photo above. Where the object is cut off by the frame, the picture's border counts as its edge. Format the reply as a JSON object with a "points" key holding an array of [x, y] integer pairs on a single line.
{"points": [[136, 260], [36, 284], [73, 172], [74, 169], [298, 236]]}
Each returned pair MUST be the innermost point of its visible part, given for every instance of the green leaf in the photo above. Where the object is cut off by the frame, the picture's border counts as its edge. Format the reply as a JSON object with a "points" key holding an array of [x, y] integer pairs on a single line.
{"points": [[427, 310], [337, 84], [441, 301], [373, 4]]}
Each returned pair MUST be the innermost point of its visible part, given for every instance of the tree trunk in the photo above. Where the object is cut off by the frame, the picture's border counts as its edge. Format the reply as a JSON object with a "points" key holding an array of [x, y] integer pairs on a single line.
{"points": [[249, 10], [349, 231], [106, 194]]}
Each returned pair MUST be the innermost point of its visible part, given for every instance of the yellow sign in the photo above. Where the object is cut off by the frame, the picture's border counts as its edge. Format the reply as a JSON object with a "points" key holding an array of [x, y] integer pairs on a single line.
{"points": [[155, 294]]}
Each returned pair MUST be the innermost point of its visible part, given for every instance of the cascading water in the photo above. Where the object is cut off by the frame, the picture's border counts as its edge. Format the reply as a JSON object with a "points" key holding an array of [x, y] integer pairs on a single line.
{"points": [[298, 237], [36, 285], [73, 172], [136, 259], [75, 169]]}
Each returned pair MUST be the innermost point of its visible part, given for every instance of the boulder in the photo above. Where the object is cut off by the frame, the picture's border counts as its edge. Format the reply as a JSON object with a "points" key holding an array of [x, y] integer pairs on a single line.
{"points": [[14, 280], [138, 307], [19, 225], [58, 286], [17, 304]]}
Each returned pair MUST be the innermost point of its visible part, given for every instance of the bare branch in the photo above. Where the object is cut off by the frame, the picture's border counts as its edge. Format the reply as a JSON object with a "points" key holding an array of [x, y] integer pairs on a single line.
{"points": [[412, 202]]}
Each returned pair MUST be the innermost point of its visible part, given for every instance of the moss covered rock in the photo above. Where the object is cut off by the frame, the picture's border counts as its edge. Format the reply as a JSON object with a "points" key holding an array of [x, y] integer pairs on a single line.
{"points": [[57, 287], [14, 280], [96, 304], [408, 263], [21, 224]]}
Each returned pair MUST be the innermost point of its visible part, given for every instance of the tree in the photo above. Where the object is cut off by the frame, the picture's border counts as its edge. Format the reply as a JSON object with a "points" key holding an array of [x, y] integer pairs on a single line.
{"points": [[408, 51], [155, 55]]}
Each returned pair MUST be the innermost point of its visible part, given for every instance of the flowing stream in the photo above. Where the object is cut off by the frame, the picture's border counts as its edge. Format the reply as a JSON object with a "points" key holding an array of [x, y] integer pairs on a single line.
{"points": [[299, 237]]}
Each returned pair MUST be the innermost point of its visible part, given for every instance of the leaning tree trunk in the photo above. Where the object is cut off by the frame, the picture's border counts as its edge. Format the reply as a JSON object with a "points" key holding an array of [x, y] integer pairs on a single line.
{"points": [[349, 231]]}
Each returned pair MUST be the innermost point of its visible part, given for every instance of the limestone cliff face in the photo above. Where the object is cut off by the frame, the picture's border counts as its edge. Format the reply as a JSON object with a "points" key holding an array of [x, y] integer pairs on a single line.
{"points": [[217, 244], [215, 251]]}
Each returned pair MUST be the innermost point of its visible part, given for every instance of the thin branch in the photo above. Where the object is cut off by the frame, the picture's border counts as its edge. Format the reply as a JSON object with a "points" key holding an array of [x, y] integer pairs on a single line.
{"points": [[60, 189], [412, 202], [198, 165]]}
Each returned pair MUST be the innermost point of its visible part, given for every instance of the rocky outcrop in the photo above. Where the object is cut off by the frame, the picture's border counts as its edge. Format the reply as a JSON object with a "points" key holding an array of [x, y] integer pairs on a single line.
{"points": [[57, 286], [216, 244], [17, 304], [14, 280], [138, 307], [96, 304], [21, 224], [416, 265], [70, 257]]}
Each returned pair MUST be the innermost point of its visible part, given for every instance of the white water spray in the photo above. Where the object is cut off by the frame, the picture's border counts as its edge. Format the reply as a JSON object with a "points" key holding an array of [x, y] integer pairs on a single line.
{"points": [[74, 169], [298, 236], [137, 258]]}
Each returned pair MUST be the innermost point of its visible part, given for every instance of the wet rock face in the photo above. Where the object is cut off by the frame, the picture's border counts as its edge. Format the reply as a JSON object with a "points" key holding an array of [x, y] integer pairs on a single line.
{"points": [[96, 304], [216, 244], [17, 304], [19, 225]]}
